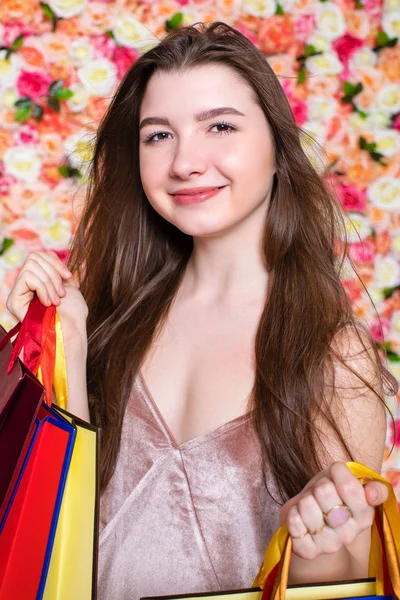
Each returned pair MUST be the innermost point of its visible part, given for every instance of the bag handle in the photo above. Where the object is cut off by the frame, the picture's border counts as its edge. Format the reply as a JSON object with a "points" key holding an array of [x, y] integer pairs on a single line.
{"points": [[385, 547], [40, 337]]}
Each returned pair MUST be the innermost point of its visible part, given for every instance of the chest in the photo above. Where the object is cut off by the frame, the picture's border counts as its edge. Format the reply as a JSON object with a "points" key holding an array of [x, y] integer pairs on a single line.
{"points": [[199, 369]]}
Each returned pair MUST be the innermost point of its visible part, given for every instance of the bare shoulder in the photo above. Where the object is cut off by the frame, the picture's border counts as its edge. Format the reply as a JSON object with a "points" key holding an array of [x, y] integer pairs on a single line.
{"points": [[353, 400]]}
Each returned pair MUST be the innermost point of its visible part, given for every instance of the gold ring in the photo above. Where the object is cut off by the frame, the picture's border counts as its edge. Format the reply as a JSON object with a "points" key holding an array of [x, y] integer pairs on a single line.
{"points": [[326, 514], [299, 537], [317, 530]]}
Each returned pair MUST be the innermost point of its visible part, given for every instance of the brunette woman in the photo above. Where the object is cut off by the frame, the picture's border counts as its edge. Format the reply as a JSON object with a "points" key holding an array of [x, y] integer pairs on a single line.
{"points": [[225, 366]]}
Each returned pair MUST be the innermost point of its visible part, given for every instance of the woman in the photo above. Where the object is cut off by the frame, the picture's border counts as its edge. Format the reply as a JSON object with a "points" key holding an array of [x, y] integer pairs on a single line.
{"points": [[224, 363]]}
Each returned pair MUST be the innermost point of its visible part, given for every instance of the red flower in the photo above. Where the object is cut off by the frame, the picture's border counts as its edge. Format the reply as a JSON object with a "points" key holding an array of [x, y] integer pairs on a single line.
{"points": [[124, 57], [353, 199], [396, 123], [300, 111], [345, 47], [33, 84]]}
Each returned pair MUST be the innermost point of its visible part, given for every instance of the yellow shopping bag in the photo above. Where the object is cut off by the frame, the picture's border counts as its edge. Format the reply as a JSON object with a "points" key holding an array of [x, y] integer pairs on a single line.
{"points": [[73, 564], [384, 568]]}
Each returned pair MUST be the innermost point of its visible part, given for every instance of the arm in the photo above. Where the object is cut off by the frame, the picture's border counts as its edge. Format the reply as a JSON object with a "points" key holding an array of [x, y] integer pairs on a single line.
{"points": [[361, 418]]}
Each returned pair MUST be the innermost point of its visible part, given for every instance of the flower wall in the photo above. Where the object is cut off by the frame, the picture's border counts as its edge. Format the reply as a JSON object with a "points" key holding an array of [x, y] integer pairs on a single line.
{"points": [[338, 62]]}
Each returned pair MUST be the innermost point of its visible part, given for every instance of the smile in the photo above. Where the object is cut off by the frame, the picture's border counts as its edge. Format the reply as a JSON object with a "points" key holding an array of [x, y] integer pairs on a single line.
{"points": [[195, 195]]}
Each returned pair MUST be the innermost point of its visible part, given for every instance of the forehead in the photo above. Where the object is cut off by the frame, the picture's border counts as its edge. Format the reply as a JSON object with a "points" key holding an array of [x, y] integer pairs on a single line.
{"points": [[196, 88]]}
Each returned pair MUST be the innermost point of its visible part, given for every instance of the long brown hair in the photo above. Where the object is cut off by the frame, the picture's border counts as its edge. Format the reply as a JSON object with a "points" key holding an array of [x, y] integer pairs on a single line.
{"points": [[131, 262]]}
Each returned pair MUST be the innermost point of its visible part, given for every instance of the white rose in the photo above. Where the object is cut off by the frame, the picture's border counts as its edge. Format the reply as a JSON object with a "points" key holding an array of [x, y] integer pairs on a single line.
{"points": [[9, 69], [388, 98], [376, 294], [67, 8], [320, 42], [321, 108], [12, 258], [80, 51], [23, 162], [395, 247], [386, 271], [78, 102], [387, 142], [324, 64], [128, 31], [259, 8], [384, 193], [42, 213], [80, 148], [357, 227], [330, 20], [356, 121], [58, 236], [391, 24], [391, 6], [375, 120], [99, 76], [8, 97], [365, 57]]}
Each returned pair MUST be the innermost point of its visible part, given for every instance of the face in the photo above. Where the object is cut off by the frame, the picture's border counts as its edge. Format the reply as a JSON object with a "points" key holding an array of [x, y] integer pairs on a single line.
{"points": [[206, 152]]}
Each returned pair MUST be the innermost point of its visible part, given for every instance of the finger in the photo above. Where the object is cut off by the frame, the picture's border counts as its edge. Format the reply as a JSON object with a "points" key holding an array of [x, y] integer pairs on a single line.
{"points": [[303, 546], [33, 266], [29, 284], [376, 493], [51, 270], [351, 492], [51, 257]]}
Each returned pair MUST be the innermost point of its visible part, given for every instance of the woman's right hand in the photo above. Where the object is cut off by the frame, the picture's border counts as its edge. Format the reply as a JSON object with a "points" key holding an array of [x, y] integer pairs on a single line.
{"points": [[44, 273]]}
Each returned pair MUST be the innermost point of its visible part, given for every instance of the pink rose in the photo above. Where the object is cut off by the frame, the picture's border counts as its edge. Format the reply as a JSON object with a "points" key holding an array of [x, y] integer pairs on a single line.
{"points": [[395, 432], [103, 45], [303, 27], [124, 57], [33, 84], [6, 181], [379, 330], [12, 30], [396, 123], [353, 289], [247, 33], [373, 8], [300, 111], [345, 47], [362, 252], [352, 198], [27, 134]]}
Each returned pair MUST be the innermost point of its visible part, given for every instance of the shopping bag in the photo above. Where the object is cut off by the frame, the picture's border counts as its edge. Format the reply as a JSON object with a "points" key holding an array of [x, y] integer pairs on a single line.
{"points": [[37, 443], [384, 569], [73, 563]]}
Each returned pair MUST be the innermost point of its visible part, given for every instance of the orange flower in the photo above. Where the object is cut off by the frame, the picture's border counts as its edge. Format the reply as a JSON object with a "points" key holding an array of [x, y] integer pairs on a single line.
{"points": [[17, 9], [362, 170], [389, 63], [32, 56], [383, 242], [276, 34]]}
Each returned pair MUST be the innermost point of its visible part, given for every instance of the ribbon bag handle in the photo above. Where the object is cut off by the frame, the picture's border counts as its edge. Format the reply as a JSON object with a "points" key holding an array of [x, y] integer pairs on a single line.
{"points": [[384, 563], [40, 337]]}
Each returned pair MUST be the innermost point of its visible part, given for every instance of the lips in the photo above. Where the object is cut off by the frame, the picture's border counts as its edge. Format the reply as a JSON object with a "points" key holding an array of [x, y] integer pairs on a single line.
{"points": [[194, 195]]}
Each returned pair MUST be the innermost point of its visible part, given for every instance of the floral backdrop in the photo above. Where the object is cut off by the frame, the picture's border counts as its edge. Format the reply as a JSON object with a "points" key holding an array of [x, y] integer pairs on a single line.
{"points": [[337, 60]]}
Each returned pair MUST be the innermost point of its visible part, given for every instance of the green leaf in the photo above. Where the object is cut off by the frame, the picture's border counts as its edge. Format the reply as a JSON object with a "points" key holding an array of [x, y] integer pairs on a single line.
{"points": [[302, 75], [56, 85], [23, 101], [7, 243], [382, 38], [310, 50], [22, 113], [47, 10], [393, 42], [388, 292], [175, 21], [279, 9], [37, 112], [392, 356], [67, 171], [362, 114], [110, 34], [64, 94], [54, 103], [359, 4], [17, 42]]}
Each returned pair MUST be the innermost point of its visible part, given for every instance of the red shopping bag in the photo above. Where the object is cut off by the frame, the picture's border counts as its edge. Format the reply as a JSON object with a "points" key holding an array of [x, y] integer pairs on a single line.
{"points": [[36, 467]]}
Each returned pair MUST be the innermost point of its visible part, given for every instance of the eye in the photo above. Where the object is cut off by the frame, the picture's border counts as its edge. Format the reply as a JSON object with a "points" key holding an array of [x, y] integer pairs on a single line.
{"points": [[151, 138], [224, 128]]}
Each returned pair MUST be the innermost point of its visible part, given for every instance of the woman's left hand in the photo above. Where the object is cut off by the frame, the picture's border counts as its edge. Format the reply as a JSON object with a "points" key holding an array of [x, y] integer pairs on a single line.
{"points": [[331, 511]]}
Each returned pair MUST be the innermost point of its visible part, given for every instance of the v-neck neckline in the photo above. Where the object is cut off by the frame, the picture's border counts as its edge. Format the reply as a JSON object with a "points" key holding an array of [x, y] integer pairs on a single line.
{"points": [[201, 438]]}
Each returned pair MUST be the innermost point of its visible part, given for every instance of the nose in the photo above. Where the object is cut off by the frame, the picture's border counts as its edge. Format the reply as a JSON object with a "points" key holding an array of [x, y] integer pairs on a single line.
{"points": [[188, 159]]}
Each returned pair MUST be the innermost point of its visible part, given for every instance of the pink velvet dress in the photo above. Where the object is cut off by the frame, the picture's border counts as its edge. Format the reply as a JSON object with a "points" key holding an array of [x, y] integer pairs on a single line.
{"points": [[177, 519]]}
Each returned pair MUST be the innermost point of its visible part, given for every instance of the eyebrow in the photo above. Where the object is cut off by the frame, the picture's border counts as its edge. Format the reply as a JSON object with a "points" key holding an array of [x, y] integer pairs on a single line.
{"points": [[212, 113]]}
